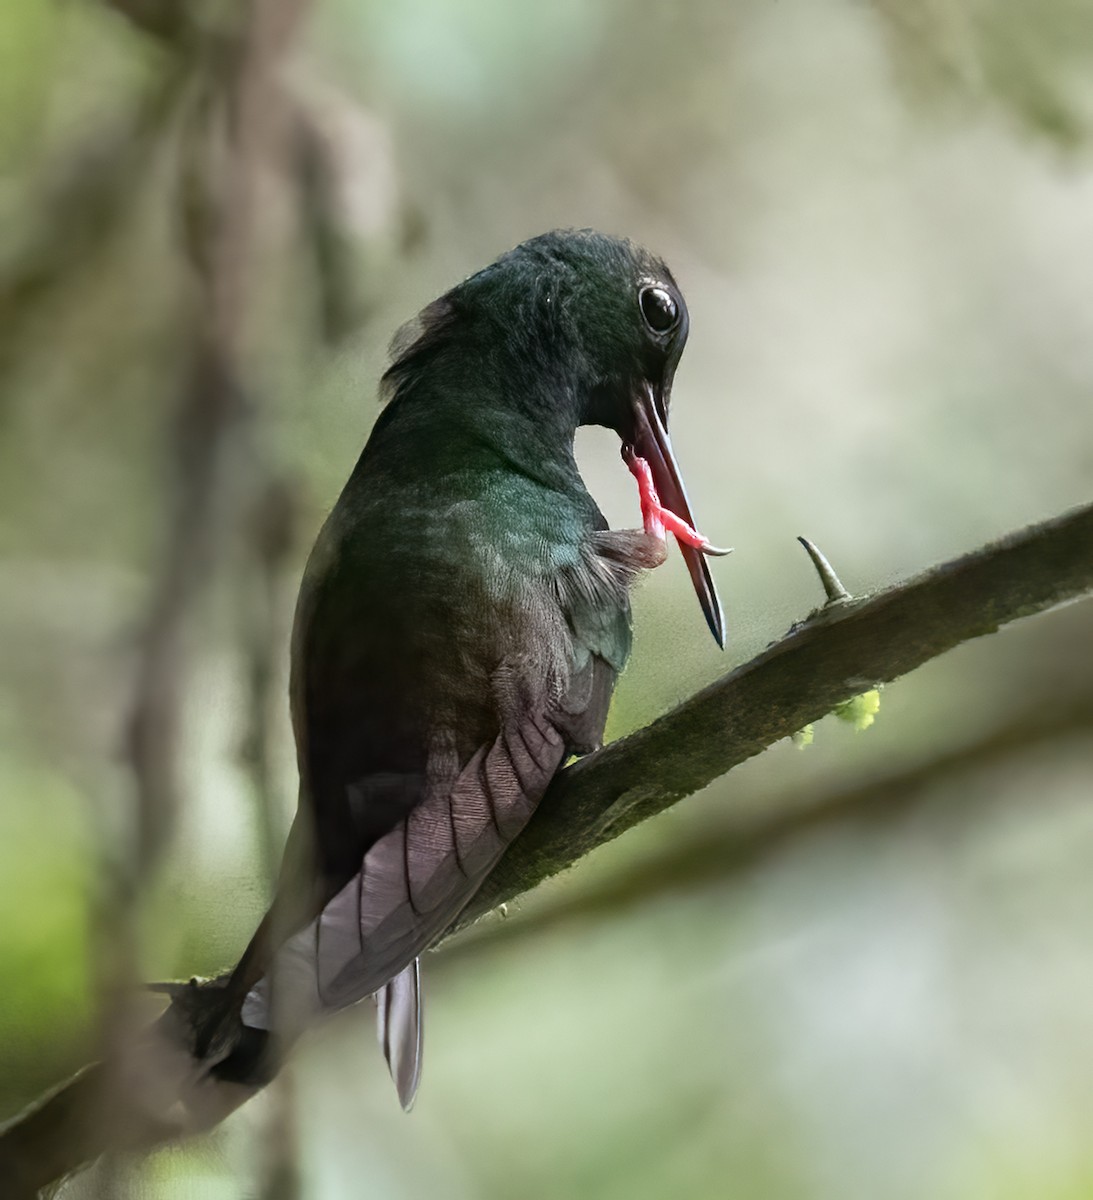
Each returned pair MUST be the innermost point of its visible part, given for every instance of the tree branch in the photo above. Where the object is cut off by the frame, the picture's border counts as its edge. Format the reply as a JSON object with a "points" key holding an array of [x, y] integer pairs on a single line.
{"points": [[845, 648], [741, 843]]}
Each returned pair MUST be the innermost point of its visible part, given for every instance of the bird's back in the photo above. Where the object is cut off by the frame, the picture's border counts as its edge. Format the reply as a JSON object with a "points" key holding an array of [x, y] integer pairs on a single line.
{"points": [[464, 615], [434, 609]]}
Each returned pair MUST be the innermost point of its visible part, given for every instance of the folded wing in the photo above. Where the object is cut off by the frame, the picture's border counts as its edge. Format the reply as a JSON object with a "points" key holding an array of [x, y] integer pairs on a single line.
{"points": [[413, 881]]}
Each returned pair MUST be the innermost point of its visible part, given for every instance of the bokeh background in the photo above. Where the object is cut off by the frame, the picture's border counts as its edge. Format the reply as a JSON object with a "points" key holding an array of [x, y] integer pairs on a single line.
{"points": [[863, 969]]}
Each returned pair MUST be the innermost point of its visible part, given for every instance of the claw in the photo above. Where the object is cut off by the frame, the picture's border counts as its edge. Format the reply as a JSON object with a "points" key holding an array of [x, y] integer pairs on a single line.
{"points": [[657, 519]]}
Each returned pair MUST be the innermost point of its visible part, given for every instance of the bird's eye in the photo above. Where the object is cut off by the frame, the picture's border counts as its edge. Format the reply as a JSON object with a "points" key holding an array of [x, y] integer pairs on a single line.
{"points": [[659, 309]]}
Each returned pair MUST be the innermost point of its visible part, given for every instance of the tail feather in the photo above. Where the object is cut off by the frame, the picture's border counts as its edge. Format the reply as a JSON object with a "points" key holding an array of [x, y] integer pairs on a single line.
{"points": [[399, 1029]]}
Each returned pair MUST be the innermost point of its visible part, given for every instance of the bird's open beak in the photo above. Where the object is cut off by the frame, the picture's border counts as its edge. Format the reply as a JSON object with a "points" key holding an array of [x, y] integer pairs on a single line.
{"points": [[652, 443]]}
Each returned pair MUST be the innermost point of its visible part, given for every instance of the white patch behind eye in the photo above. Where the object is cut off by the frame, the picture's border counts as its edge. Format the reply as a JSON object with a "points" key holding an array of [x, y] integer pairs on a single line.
{"points": [[405, 336], [409, 337]]}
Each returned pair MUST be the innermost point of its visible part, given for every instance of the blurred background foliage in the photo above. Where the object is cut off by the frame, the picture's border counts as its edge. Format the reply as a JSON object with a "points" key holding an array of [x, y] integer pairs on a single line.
{"points": [[212, 219]]}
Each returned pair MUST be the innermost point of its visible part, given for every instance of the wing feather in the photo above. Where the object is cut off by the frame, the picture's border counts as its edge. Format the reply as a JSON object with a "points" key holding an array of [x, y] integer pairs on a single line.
{"points": [[415, 880]]}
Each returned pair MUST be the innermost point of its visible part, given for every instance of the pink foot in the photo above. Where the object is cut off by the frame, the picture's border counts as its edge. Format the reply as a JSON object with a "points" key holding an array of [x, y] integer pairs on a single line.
{"points": [[656, 518]]}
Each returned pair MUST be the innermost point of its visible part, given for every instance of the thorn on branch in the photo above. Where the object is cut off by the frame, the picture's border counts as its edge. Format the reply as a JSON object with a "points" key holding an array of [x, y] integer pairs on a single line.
{"points": [[833, 587]]}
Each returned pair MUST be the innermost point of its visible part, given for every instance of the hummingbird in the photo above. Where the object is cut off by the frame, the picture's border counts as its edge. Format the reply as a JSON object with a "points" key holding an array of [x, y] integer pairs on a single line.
{"points": [[462, 621]]}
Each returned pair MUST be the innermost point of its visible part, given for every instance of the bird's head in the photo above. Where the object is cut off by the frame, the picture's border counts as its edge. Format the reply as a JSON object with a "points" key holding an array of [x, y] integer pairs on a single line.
{"points": [[588, 330]]}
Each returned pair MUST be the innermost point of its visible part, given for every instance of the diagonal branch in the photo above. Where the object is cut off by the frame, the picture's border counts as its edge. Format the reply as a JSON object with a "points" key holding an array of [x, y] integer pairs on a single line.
{"points": [[845, 648], [737, 846]]}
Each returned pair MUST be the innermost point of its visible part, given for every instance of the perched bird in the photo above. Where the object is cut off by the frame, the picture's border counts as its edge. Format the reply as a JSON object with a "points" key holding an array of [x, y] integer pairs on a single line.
{"points": [[462, 620]]}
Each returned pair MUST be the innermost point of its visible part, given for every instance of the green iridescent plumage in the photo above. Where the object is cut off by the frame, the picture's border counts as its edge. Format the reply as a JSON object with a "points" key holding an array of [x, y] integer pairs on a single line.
{"points": [[462, 620]]}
